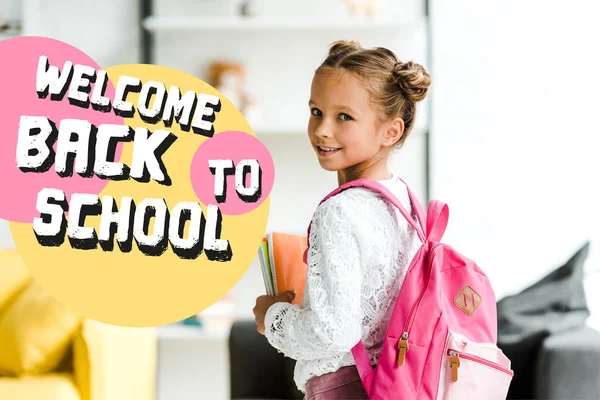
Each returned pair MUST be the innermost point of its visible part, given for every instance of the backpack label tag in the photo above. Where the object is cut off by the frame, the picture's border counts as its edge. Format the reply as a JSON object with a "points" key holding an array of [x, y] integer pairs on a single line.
{"points": [[468, 300]]}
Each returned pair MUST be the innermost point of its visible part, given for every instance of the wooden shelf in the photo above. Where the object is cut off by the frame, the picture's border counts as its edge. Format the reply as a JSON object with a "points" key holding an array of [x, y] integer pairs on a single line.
{"points": [[268, 130], [189, 332], [155, 24]]}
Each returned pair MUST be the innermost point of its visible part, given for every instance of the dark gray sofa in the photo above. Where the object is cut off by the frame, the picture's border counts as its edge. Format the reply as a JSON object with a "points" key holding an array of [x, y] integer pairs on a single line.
{"points": [[567, 366]]}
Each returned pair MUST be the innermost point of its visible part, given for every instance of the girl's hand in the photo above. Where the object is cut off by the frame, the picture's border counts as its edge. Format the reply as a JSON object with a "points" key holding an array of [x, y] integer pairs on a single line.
{"points": [[262, 305]]}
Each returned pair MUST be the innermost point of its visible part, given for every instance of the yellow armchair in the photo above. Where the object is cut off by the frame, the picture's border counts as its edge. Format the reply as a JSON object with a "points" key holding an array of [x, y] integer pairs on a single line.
{"points": [[98, 361], [115, 363]]}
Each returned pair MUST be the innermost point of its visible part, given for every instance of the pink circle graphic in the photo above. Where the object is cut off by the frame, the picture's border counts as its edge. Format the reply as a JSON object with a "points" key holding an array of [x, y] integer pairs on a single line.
{"points": [[19, 58], [237, 147]]}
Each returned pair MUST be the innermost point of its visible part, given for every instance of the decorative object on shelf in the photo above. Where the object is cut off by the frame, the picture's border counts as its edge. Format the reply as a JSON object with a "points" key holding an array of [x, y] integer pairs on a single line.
{"points": [[229, 79], [246, 8], [363, 8], [193, 321], [221, 8], [11, 28]]}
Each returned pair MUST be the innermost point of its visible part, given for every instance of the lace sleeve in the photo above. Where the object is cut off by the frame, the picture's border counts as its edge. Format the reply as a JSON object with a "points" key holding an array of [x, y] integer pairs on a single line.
{"points": [[329, 320]]}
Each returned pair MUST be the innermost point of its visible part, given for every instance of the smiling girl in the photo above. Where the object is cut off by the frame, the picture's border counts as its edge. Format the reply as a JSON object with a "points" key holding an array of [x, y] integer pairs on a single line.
{"points": [[362, 107]]}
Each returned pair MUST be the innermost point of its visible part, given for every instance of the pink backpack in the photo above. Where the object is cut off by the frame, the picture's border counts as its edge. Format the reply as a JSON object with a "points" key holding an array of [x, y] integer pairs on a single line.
{"points": [[441, 339]]}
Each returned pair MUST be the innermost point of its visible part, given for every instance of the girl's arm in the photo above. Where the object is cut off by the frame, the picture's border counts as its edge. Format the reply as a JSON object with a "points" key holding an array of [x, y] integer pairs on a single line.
{"points": [[329, 323]]}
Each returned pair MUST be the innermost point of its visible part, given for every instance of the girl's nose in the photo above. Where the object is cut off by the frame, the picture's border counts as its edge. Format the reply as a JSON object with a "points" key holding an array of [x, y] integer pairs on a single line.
{"points": [[323, 130]]}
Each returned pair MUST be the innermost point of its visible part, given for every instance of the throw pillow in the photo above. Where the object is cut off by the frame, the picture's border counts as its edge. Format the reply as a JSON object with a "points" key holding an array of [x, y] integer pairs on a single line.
{"points": [[35, 333], [14, 276]]}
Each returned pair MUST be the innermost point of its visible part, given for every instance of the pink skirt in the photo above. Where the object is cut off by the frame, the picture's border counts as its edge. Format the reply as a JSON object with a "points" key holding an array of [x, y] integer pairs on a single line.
{"points": [[343, 384]]}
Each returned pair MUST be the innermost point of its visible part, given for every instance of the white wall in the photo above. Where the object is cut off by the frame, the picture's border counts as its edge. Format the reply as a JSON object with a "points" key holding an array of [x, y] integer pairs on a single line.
{"points": [[516, 134], [6, 241], [10, 10], [107, 30]]}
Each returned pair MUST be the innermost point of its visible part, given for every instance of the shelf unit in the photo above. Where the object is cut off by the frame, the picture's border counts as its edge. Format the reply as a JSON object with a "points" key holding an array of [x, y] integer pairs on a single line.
{"points": [[152, 25], [273, 28], [156, 24]]}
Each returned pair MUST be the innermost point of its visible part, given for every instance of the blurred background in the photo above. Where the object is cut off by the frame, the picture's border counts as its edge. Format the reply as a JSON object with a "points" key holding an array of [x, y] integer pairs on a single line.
{"points": [[507, 137]]}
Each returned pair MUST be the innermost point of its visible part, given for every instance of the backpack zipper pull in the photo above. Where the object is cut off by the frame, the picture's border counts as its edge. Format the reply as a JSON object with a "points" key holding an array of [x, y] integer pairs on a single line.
{"points": [[454, 364], [403, 348]]}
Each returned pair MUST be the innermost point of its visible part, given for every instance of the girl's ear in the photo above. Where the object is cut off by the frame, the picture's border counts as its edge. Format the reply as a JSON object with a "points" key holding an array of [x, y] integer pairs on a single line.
{"points": [[394, 132]]}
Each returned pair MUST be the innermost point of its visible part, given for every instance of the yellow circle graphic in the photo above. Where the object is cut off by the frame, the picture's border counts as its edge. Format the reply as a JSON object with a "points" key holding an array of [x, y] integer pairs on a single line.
{"points": [[131, 288]]}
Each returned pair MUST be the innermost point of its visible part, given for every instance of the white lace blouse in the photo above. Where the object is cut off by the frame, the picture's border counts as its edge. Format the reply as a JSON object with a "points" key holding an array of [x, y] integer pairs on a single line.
{"points": [[361, 247]]}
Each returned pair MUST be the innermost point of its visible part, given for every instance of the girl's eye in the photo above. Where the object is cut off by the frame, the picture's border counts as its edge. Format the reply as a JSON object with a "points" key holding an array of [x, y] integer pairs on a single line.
{"points": [[345, 117], [315, 111]]}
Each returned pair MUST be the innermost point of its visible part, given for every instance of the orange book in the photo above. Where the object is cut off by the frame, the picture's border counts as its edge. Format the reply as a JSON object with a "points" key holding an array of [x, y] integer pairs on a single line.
{"points": [[282, 264]]}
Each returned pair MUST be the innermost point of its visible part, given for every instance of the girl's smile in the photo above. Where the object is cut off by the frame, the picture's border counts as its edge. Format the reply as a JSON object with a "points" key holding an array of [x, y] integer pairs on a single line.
{"points": [[323, 151]]}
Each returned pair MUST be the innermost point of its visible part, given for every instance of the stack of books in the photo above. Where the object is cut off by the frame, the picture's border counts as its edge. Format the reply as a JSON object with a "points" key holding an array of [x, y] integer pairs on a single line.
{"points": [[282, 264]]}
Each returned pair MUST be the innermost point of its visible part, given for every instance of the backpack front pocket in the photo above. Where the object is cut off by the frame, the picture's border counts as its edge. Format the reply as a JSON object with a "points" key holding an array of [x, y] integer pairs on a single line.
{"points": [[473, 370]]}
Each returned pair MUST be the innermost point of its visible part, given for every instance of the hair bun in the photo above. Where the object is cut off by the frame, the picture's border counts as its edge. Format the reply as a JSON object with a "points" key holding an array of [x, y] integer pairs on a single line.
{"points": [[344, 46], [412, 79]]}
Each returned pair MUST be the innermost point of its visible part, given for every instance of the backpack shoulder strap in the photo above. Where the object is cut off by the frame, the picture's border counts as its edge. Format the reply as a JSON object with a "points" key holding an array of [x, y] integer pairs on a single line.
{"points": [[437, 216], [419, 225], [387, 194]]}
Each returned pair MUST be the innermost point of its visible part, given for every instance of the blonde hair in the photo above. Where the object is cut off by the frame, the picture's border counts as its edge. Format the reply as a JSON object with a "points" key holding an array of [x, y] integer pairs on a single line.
{"points": [[395, 87]]}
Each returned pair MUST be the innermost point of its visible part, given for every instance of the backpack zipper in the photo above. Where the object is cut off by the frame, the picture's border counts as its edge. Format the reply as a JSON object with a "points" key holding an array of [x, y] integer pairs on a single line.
{"points": [[456, 355], [454, 364], [403, 342]]}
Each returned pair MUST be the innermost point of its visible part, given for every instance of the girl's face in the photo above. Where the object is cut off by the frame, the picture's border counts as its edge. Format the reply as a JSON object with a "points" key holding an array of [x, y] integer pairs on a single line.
{"points": [[344, 129]]}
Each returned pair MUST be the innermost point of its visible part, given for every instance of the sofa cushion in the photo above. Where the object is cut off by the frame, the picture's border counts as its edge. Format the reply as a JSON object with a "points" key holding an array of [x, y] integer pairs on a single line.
{"points": [[556, 303], [13, 275], [257, 371], [47, 387], [566, 358], [35, 333]]}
